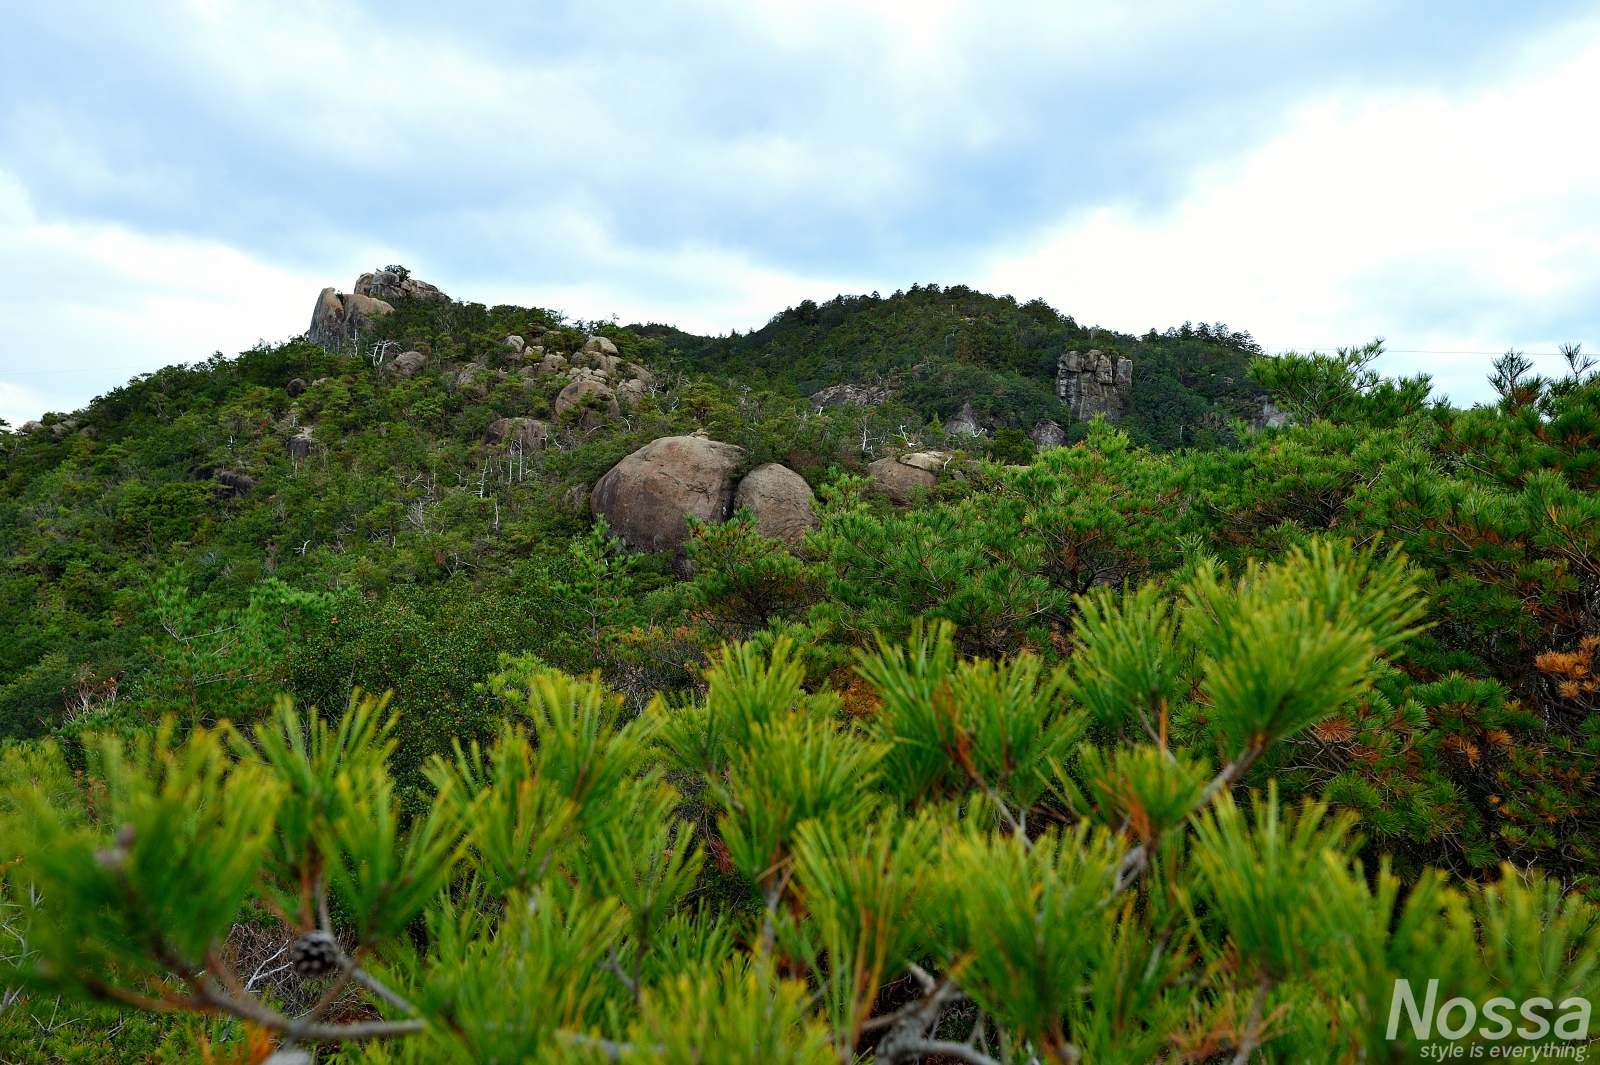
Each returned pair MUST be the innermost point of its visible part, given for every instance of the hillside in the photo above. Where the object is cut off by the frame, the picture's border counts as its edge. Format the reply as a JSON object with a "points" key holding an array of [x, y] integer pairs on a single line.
{"points": [[381, 482], [894, 673], [940, 348]]}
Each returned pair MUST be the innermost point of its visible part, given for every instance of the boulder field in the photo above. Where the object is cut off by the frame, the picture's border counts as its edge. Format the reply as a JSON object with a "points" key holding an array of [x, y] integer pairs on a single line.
{"points": [[647, 497]]}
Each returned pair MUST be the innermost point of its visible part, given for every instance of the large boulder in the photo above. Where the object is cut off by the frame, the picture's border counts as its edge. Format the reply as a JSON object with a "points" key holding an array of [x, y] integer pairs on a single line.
{"points": [[646, 496], [31, 426], [600, 346], [631, 392], [335, 318], [408, 363], [851, 396], [390, 284], [1048, 434], [578, 391], [963, 422], [551, 364], [475, 382], [327, 319], [523, 434], [299, 445], [780, 499], [899, 479]]}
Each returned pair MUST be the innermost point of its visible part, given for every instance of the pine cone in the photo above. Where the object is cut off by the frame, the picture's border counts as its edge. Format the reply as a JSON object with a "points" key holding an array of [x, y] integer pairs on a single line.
{"points": [[314, 954]]}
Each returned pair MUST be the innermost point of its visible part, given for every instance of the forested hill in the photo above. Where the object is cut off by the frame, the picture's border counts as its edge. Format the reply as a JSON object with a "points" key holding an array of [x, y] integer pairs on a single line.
{"points": [[906, 656], [943, 347]]}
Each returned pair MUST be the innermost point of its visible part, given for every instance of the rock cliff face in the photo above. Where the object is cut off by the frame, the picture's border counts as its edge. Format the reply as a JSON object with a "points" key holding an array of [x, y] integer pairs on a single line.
{"points": [[1092, 382], [338, 317]]}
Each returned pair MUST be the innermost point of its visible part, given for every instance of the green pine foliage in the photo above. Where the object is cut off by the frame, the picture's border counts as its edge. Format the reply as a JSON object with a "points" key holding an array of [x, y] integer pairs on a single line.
{"points": [[1180, 743]]}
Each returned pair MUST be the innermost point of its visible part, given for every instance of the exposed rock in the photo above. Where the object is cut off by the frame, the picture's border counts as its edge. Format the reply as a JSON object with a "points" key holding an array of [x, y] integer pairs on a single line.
{"points": [[360, 310], [963, 422], [60, 429], [408, 363], [327, 319], [1092, 383], [32, 426], [337, 318], [646, 496], [600, 346], [851, 396], [932, 461], [475, 382], [1048, 434], [551, 364], [575, 393], [631, 392], [899, 479], [642, 375], [524, 434], [296, 388], [781, 500], [516, 343], [388, 285], [234, 482], [1271, 416], [299, 445]]}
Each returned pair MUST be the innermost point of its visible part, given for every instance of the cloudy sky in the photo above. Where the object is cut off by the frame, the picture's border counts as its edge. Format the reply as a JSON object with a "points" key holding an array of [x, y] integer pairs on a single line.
{"points": [[178, 178]]}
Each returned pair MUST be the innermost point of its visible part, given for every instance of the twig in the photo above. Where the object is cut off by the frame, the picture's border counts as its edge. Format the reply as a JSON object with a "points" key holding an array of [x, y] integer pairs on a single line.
{"points": [[1252, 1031], [610, 965]]}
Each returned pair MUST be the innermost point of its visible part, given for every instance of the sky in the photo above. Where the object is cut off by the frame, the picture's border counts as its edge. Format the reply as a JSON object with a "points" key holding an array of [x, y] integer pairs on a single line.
{"points": [[179, 178]]}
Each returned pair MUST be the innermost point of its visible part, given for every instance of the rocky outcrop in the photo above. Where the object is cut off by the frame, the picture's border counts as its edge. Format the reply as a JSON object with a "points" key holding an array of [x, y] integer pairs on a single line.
{"points": [[31, 426], [551, 364], [1094, 383], [1048, 434], [851, 396], [780, 500], [233, 483], [963, 422], [900, 477], [631, 392], [1271, 416], [336, 319], [645, 497], [475, 382], [296, 388], [516, 344], [408, 364], [392, 285], [575, 394], [599, 345], [521, 434], [299, 445]]}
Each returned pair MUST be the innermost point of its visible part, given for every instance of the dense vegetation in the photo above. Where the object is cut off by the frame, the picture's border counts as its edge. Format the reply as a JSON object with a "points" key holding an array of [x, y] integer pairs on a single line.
{"points": [[1269, 719]]}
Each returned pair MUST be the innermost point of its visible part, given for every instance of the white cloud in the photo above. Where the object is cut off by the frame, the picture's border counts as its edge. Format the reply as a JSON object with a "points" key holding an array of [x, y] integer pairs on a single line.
{"points": [[1445, 225], [85, 307]]}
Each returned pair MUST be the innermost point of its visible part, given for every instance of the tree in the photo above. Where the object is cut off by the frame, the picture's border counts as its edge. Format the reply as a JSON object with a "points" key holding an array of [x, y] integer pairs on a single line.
{"points": [[1001, 862]]}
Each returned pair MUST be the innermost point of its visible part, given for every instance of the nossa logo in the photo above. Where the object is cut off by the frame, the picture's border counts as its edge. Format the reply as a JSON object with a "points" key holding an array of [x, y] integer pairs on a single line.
{"points": [[1456, 1018]]}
